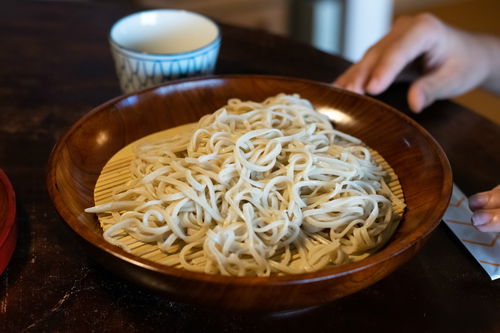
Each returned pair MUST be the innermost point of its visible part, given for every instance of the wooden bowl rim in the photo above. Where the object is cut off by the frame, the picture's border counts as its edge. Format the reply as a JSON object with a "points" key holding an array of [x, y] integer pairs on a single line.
{"points": [[385, 254], [8, 237]]}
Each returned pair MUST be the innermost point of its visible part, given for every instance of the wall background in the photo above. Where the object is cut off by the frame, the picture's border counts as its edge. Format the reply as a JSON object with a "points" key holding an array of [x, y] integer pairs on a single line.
{"points": [[321, 22]]}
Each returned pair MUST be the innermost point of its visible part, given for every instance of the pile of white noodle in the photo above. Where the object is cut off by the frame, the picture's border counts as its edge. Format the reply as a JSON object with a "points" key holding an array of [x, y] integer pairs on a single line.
{"points": [[255, 189]]}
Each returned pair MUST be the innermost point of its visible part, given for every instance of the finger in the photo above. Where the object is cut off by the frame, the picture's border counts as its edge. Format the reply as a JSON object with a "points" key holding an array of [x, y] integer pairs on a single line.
{"points": [[433, 86], [392, 63], [485, 200], [406, 45], [356, 77], [487, 220], [416, 98], [353, 79]]}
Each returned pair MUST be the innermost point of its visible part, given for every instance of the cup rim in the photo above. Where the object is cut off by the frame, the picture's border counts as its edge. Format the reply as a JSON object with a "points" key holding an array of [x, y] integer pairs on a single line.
{"points": [[120, 46]]}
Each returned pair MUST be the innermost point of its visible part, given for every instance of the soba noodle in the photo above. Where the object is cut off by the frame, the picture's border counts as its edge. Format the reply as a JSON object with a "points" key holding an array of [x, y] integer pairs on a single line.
{"points": [[256, 189]]}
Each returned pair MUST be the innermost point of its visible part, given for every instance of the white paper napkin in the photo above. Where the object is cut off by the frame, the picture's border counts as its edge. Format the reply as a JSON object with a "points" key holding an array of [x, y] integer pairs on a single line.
{"points": [[484, 246]]}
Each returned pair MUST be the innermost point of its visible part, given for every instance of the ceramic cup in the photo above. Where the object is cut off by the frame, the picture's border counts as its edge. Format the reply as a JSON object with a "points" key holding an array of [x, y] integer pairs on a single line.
{"points": [[154, 46]]}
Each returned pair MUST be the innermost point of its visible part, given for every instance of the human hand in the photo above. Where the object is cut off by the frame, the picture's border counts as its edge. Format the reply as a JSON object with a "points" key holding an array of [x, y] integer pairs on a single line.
{"points": [[486, 208], [454, 61]]}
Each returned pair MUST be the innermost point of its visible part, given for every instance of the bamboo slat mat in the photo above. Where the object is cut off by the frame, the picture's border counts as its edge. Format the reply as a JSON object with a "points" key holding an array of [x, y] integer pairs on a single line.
{"points": [[117, 172]]}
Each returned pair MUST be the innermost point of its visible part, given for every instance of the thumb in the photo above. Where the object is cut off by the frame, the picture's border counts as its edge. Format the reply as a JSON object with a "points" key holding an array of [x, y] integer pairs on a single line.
{"points": [[435, 85]]}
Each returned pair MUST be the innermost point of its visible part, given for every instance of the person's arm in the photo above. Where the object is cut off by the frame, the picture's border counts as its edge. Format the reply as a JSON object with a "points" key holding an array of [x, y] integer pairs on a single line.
{"points": [[455, 62]]}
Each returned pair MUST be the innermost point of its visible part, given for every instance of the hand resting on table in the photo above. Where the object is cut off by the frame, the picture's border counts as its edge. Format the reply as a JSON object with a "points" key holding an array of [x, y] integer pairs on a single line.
{"points": [[454, 62]]}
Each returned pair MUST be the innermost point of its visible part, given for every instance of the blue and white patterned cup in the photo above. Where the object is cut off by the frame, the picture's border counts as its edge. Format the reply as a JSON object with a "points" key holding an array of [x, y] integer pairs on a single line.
{"points": [[155, 46]]}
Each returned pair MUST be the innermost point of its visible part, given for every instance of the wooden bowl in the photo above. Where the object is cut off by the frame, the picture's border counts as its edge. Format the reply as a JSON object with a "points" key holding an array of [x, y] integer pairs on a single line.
{"points": [[418, 160], [8, 229]]}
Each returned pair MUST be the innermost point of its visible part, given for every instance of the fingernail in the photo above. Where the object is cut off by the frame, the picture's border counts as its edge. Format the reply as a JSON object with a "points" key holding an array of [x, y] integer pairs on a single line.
{"points": [[478, 201], [354, 88], [480, 218]]}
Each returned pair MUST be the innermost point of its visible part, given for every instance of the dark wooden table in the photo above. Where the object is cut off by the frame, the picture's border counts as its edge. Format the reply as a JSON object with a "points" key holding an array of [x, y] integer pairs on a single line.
{"points": [[55, 66]]}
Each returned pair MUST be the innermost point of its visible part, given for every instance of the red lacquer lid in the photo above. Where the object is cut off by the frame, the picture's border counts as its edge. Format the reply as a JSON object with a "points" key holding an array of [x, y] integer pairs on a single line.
{"points": [[8, 229]]}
